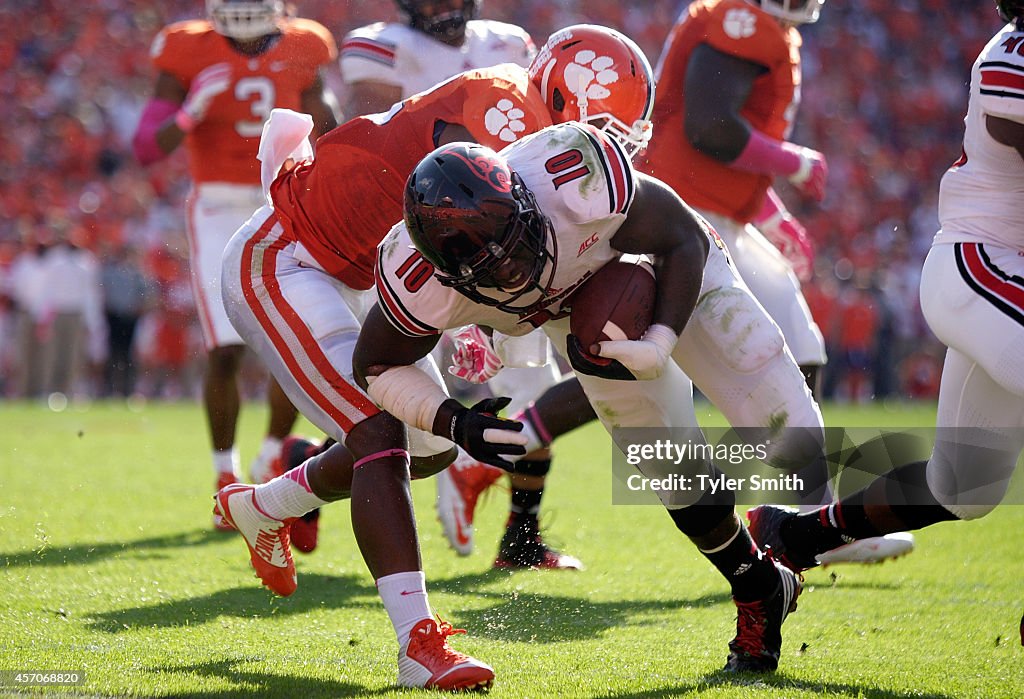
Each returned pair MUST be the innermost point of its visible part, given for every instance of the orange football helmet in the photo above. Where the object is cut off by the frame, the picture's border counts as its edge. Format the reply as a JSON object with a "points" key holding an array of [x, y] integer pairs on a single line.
{"points": [[599, 76]]}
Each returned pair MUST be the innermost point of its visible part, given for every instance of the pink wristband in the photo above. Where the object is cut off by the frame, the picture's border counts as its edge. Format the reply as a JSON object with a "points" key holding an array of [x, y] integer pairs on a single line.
{"points": [[767, 156], [184, 121], [381, 455]]}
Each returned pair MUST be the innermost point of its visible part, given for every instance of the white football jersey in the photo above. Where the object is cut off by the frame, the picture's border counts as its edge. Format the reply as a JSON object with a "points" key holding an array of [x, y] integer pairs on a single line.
{"points": [[397, 54], [981, 198], [583, 182]]}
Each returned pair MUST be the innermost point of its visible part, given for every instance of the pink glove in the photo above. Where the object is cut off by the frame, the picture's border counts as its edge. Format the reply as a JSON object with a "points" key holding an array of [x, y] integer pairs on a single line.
{"points": [[787, 234], [474, 359], [210, 82], [804, 167], [810, 178]]}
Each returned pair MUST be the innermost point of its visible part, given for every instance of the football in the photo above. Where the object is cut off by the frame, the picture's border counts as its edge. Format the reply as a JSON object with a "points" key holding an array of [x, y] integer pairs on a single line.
{"points": [[616, 303]]}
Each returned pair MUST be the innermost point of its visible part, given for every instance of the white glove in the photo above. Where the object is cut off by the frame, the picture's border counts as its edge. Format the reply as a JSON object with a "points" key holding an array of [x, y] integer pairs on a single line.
{"points": [[810, 178], [210, 82], [474, 359], [645, 358]]}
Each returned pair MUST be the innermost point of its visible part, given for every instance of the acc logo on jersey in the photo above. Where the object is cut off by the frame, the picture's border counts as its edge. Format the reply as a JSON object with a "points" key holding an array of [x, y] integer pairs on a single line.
{"points": [[588, 75], [505, 120], [739, 24]]}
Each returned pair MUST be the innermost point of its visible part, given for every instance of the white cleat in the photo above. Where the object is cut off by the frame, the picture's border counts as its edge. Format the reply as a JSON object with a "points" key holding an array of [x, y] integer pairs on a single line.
{"points": [[873, 550]]}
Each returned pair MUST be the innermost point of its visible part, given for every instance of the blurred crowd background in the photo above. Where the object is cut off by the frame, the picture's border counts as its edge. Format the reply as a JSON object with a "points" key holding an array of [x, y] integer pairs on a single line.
{"points": [[92, 245]]}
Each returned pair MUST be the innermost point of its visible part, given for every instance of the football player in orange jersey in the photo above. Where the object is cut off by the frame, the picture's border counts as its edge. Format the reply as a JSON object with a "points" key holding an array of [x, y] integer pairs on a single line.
{"points": [[298, 280], [728, 90], [218, 79]]}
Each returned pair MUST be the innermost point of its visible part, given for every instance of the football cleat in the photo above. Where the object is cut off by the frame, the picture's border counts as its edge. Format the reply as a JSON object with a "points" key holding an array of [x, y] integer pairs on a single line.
{"points": [[305, 530], [426, 660], [765, 523], [873, 550], [458, 488], [223, 480], [758, 641], [266, 537], [523, 547]]}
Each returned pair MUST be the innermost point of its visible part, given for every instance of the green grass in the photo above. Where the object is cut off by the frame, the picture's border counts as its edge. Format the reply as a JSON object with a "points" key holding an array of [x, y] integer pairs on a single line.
{"points": [[110, 567]]}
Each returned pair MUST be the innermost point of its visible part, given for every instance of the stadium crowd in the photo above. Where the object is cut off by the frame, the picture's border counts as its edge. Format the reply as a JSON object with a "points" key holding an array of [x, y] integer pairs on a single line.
{"points": [[84, 228]]}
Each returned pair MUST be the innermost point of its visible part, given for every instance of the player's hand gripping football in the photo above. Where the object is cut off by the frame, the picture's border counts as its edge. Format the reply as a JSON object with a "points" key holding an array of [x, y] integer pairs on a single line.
{"points": [[487, 437], [208, 83], [645, 358], [474, 359]]}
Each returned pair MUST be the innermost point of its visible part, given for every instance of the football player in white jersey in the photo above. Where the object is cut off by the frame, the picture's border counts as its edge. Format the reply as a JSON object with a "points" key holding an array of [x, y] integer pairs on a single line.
{"points": [[384, 63], [972, 295], [496, 240]]}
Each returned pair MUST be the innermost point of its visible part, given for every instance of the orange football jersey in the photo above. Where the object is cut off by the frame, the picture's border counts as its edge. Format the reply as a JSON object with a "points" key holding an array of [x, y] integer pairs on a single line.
{"points": [[222, 148], [740, 29], [343, 203]]}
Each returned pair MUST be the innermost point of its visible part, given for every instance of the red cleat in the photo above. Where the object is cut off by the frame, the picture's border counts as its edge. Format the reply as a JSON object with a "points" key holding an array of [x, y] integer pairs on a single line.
{"points": [[458, 488], [426, 660], [266, 537]]}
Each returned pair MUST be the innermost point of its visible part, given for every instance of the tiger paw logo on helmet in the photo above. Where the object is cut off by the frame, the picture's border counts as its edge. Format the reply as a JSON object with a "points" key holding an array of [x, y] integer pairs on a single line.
{"points": [[739, 24], [505, 121], [588, 75]]}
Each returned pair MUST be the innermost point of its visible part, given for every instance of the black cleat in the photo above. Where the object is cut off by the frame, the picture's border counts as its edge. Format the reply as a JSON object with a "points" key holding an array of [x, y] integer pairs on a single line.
{"points": [[522, 546], [758, 641], [765, 525]]}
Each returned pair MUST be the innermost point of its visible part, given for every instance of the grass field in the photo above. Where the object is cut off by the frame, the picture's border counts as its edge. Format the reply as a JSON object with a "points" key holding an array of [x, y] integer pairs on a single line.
{"points": [[110, 568]]}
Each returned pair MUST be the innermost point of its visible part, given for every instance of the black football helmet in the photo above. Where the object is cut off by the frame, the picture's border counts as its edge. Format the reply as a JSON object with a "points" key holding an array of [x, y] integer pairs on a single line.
{"points": [[470, 215], [447, 24], [1011, 11]]}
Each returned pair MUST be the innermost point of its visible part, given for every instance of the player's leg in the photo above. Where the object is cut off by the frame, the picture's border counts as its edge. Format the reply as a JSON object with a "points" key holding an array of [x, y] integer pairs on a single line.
{"points": [[634, 411], [522, 544], [214, 215], [770, 278], [978, 436], [737, 356]]}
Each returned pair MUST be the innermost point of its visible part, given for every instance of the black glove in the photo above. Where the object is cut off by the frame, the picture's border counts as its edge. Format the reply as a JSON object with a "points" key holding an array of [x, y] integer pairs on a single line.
{"points": [[469, 428], [584, 362]]}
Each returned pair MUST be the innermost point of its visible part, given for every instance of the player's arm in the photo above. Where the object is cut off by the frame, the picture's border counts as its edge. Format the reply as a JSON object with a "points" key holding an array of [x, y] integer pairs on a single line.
{"points": [[1009, 133], [715, 88], [659, 224], [174, 111], [383, 365], [156, 135], [368, 97], [320, 103]]}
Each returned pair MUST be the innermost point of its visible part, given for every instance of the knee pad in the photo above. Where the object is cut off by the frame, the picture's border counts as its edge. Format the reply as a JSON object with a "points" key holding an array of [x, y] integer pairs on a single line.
{"points": [[739, 328]]}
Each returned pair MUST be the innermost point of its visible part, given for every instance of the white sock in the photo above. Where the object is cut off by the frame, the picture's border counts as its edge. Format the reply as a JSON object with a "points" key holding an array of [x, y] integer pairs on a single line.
{"points": [[227, 461], [405, 599], [269, 450], [288, 495]]}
